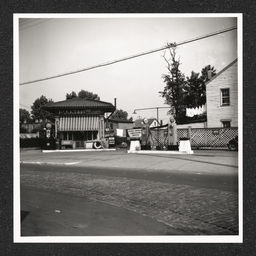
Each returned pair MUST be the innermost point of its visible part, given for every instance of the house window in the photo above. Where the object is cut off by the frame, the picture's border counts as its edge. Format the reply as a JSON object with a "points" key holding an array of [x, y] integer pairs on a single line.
{"points": [[225, 97], [226, 124], [111, 126]]}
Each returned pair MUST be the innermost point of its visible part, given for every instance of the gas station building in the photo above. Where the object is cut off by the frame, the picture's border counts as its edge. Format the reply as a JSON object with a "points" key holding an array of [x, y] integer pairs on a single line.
{"points": [[79, 122]]}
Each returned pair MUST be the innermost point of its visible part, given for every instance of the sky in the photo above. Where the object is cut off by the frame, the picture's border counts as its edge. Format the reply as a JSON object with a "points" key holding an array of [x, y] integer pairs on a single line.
{"points": [[55, 45]]}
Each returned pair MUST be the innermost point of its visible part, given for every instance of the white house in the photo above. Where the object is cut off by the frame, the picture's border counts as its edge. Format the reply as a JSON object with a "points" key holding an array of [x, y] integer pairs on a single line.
{"points": [[222, 98]]}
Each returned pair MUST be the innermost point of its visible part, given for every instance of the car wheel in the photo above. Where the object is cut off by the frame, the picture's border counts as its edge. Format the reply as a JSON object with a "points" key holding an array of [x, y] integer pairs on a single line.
{"points": [[232, 147]]}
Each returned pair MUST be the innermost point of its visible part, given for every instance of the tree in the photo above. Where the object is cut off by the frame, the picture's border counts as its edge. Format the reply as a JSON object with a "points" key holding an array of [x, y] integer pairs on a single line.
{"points": [[196, 89], [71, 95], [181, 93], [88, 95], [83, 94], [205, 73], [120, 114], [175, 90], [38, 112], [24, 115]]}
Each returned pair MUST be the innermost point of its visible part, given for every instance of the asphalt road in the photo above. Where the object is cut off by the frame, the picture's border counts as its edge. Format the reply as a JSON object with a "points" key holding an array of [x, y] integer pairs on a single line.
{"points": [[90, 200], [202, 180]]}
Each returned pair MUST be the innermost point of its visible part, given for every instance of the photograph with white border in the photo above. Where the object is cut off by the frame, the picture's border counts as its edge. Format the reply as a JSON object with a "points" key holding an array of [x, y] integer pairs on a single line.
{"points": [[127, 128]]}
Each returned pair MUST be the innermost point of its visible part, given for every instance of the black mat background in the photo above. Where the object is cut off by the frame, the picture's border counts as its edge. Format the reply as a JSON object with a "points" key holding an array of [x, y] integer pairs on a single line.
{"points": [[8, 8]]}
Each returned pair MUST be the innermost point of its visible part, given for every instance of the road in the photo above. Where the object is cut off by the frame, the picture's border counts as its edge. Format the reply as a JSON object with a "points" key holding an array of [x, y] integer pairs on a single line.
{"points": [[125, 200]]}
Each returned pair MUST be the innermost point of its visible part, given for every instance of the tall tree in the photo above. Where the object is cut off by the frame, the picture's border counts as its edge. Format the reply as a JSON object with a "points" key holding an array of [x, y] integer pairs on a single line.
{"points": [[174, 91], [38, 112], [24, 115]]}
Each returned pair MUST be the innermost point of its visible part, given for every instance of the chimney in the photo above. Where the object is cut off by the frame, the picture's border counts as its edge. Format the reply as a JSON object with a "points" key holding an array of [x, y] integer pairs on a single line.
{"points": [[115, 102], [209, 74]]}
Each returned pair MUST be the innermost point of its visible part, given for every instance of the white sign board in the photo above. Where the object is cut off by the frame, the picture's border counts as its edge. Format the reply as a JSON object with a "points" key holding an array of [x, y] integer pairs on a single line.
{"points": [[134, 133]]}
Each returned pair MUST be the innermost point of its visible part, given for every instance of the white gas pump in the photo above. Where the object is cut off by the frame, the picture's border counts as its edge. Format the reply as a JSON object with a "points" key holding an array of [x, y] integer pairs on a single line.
{"points": [[172, 133]]}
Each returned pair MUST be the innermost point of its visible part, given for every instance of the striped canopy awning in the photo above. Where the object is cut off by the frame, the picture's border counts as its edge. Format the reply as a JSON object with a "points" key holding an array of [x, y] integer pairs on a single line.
{"points": [[79, 123]]}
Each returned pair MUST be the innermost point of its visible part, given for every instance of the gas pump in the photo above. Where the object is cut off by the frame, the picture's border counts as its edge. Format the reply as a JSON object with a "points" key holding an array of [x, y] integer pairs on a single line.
{"points": [[145, 134], [48, 134], [172, 135]]}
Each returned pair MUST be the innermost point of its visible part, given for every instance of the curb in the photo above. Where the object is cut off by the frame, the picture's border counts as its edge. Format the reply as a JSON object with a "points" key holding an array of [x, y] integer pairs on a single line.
{"points": [[76, 150], [159, 152]]}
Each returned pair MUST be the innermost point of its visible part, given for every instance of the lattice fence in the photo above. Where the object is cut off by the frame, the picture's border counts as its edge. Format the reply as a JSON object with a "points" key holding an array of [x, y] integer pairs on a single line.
{"points": [[209, 137]]}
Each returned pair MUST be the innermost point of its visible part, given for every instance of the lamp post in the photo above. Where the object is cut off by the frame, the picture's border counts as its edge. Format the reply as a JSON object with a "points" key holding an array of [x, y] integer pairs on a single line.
{"points": [[134, 112]]}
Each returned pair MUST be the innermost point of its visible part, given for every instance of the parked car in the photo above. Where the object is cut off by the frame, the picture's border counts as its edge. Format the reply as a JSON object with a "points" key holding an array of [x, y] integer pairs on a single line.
{"points": [[233, 144]]}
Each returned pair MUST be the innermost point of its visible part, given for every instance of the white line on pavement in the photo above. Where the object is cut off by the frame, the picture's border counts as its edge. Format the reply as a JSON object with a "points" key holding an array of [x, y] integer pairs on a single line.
{"points": [[53, 163], [71, 163]]}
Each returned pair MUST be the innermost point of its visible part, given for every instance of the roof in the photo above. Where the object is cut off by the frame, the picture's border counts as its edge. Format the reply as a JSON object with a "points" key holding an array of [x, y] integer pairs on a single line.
{"points": [[80, 103], [138, 122], [220, 72]]}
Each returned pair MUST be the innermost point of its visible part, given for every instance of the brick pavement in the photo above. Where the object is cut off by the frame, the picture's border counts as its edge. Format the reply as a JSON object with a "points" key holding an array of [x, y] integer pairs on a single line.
{"points": [[194, 210]]}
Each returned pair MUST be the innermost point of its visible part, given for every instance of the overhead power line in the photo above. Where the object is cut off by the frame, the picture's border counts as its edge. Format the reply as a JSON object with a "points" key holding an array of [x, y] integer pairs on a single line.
{"points": [[32, 25], [133, 56], [22, 23]]}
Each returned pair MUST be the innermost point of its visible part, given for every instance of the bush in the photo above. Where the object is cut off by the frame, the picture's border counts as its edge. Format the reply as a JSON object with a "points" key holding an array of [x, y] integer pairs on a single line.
{"points": [[32, 143], [23, 130]]}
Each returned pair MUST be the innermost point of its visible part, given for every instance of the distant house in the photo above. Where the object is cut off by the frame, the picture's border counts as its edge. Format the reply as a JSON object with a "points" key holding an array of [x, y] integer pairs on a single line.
{"points": [[222, 98], [151, 121], [117, 127]]}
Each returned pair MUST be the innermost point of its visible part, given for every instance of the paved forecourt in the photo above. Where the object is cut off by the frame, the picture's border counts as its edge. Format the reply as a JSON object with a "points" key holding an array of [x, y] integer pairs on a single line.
{"points": [[201, 161]]}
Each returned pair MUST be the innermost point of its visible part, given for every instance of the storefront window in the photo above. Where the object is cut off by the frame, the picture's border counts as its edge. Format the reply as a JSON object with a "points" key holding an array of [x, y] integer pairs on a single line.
{"points": [[89, 135], [65, 135], [95, 133]]}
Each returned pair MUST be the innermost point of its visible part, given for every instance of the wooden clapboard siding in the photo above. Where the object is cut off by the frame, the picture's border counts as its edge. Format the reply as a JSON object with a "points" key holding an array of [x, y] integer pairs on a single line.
{"points": [[227, 78]]}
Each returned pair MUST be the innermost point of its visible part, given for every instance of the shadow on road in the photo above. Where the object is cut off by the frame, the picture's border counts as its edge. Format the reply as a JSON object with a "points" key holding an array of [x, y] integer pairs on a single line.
{"points": [[192, 160], [23, 215]]}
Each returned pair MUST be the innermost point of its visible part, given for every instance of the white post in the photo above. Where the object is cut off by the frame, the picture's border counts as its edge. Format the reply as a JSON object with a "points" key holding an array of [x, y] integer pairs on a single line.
{"points": [[189, 132], [175, 136]]}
